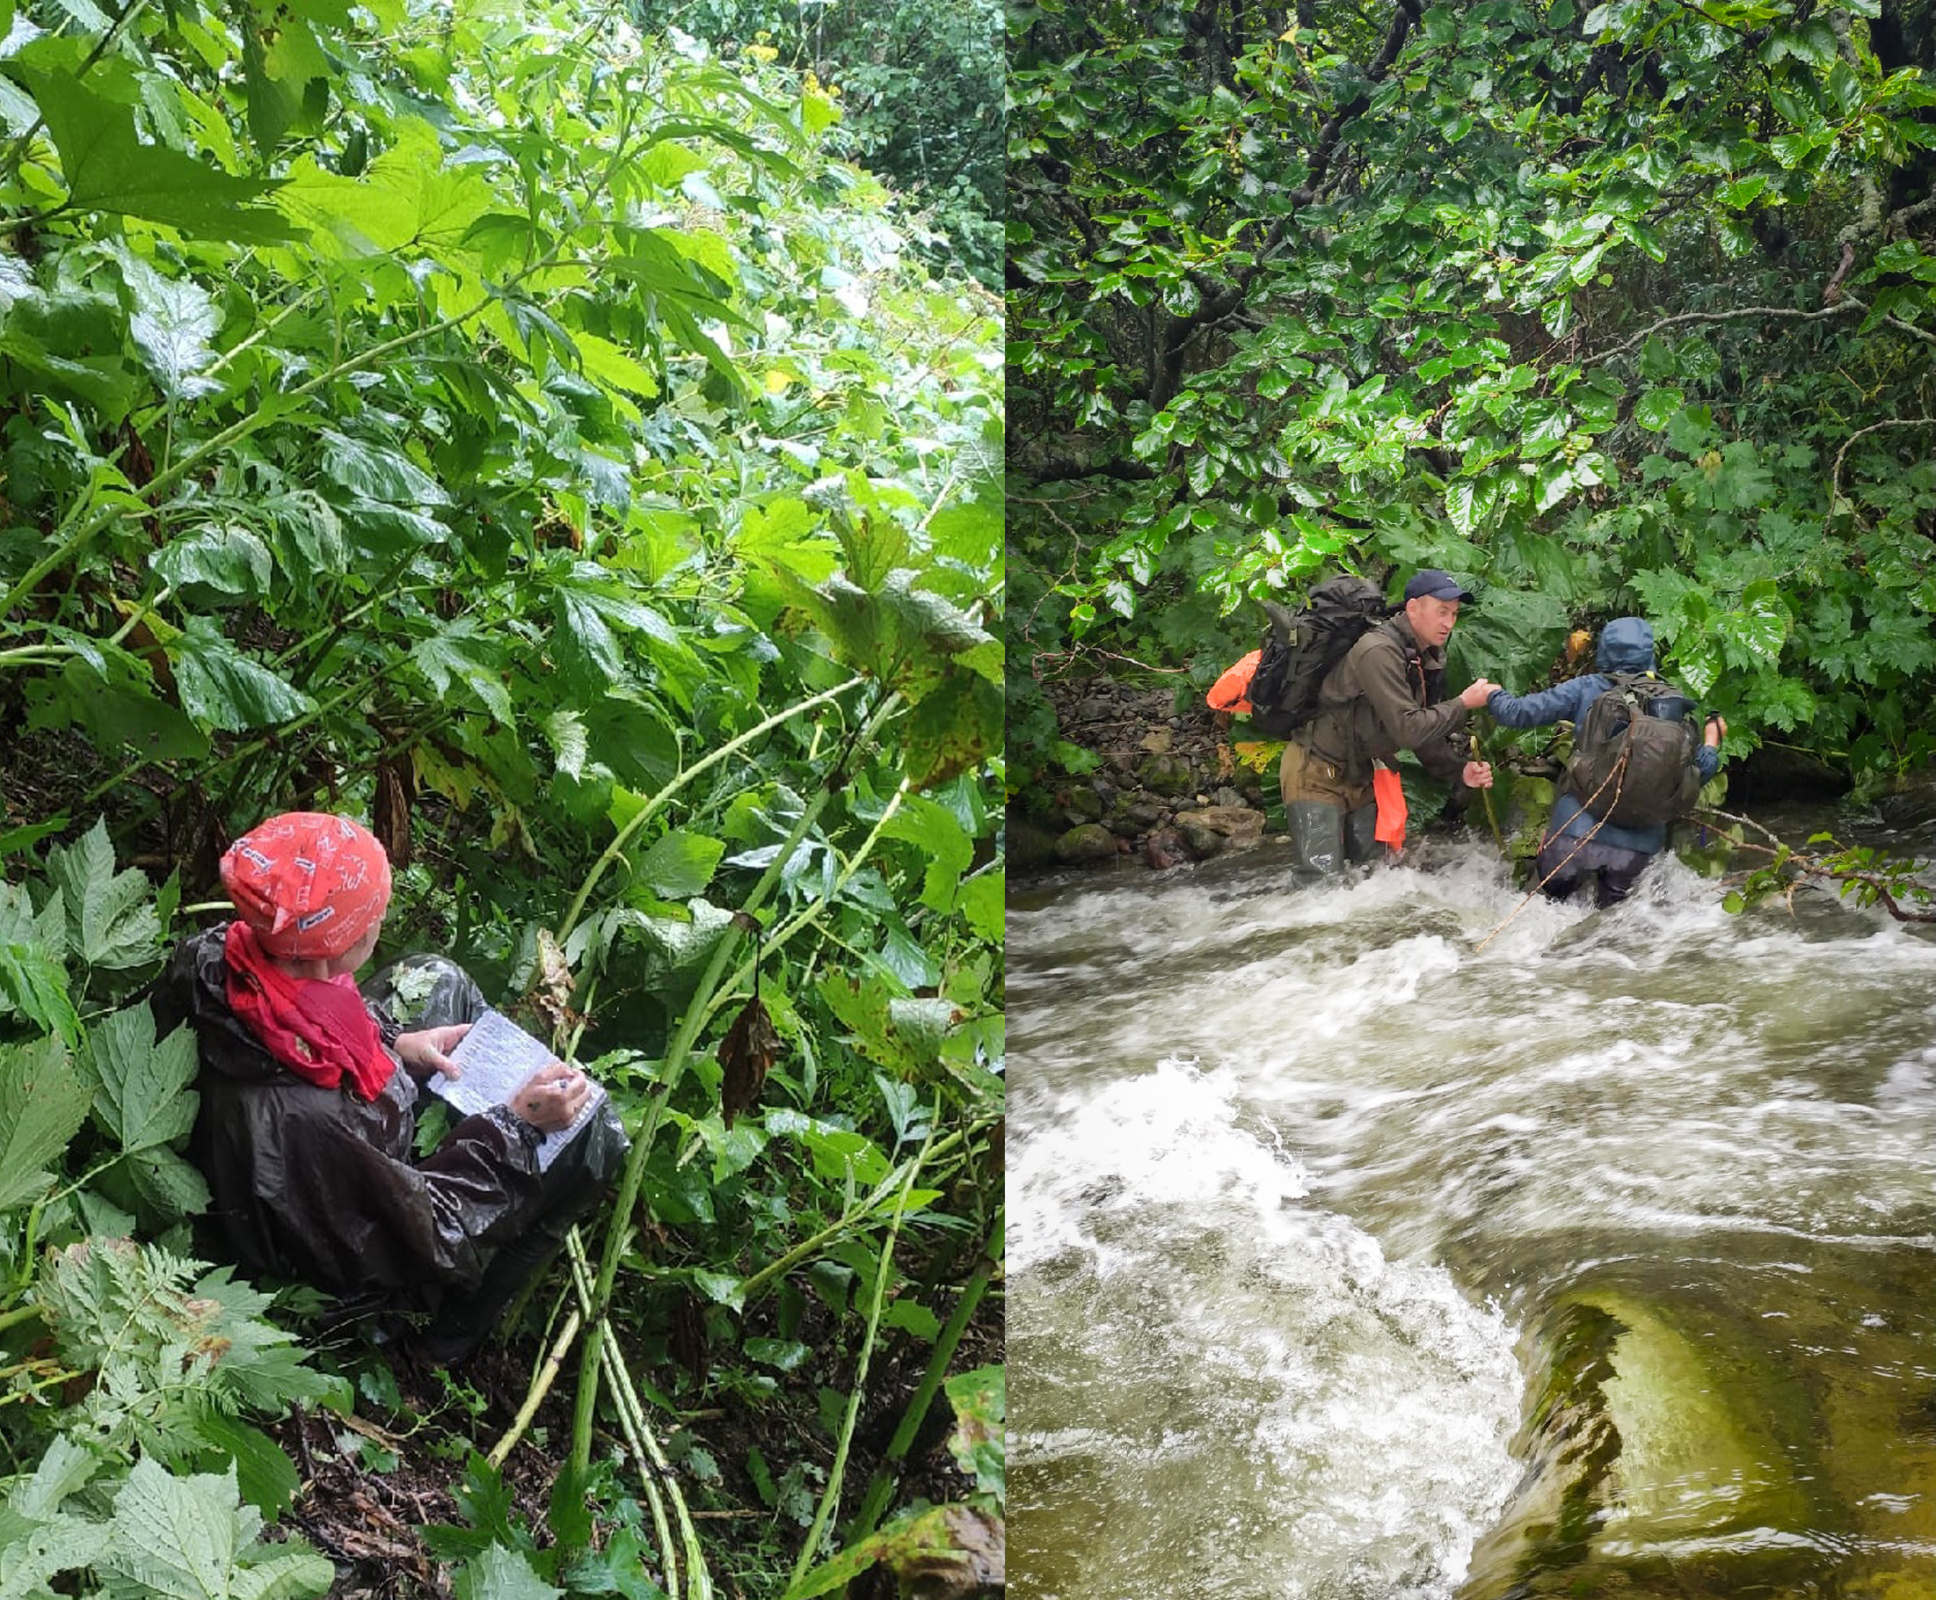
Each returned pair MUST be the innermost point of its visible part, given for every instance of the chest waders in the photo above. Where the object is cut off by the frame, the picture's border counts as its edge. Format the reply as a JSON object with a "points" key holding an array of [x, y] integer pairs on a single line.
{"points": [[1329, 821]]}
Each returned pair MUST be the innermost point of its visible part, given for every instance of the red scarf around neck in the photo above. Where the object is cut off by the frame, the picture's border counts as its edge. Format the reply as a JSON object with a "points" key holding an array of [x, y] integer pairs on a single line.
{"points": [[318, 1028]]}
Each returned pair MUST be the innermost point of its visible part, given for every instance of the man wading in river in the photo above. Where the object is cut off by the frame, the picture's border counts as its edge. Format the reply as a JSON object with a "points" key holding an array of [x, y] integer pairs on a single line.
{"points": [[1609, 822], [1341, 793]]}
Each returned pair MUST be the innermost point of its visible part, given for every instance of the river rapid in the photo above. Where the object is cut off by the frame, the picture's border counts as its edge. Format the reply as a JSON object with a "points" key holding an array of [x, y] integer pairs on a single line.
{"points": [[1350, 1262]]}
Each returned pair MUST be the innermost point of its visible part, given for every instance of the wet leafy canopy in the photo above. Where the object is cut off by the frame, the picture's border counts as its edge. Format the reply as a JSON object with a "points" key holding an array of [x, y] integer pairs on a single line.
{"points": [[524, 434], [1611, 307]]}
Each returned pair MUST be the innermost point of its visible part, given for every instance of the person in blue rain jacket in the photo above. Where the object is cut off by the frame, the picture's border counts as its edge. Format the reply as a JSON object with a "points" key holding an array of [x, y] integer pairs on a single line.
{"points": [[1615, 856]]}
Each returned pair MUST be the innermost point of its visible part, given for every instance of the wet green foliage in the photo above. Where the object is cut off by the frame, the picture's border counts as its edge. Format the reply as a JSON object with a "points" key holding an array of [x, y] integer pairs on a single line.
{"points": [[530, 437], [920, 87], [1607, 308]]}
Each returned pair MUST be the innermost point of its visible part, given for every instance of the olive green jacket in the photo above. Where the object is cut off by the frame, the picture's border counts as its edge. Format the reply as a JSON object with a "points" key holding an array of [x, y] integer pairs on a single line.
{"points": [[1375, 703]]}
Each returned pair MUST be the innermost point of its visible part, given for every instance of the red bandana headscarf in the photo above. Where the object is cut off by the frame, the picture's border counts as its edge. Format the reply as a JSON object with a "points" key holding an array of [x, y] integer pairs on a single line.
{"points": [[307, 886]]}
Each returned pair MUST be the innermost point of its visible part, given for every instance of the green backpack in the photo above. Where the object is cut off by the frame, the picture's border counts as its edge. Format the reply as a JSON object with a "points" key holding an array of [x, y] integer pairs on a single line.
{"points": [[1631, 767]]}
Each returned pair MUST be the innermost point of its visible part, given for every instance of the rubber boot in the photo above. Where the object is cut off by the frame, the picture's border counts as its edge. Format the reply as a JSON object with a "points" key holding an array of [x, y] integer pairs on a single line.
{"points": [[1360, 835], [1317, 835]]}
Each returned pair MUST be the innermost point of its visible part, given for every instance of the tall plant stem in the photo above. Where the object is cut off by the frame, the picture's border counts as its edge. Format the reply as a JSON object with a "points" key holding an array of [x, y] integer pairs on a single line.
{"points": [[881, 1489], [830, 1497], [654, 1467], [540, 1387], [846, 1222], [673, 1069], [812, 914], [652, 807], [18, 1314]]}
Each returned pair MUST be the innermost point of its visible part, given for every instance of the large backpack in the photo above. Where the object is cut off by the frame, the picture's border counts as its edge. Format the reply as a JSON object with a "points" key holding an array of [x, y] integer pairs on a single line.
{"points": [[1303, 646], [1631, 767]]}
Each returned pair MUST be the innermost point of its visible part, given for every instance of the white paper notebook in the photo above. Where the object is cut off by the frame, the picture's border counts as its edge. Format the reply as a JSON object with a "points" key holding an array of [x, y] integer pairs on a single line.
{"points": [[497, 1057]]}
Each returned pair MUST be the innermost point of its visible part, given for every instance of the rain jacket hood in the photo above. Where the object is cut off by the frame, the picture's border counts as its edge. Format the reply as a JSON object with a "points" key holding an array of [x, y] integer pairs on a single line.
{"points": [[1626, 645]]}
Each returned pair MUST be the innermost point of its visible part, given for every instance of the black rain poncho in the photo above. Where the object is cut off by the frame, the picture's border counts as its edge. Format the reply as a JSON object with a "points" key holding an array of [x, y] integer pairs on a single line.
{"points": [[317, 1184]]}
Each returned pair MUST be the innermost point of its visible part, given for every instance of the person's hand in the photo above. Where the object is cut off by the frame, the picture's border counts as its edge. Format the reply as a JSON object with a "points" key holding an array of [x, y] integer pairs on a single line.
{"points": [[1717, 730], [1476, 693], [552, 1096], [427, 1050], [1477, 775]]}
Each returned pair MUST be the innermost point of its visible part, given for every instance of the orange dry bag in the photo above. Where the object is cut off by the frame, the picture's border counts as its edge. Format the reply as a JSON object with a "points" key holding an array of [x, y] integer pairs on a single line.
{"points": [[1231, 692], [1389, 792]]}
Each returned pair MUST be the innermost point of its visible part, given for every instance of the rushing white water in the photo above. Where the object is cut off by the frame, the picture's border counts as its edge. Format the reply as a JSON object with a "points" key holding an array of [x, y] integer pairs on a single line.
{"points": [[1293, 1170]]}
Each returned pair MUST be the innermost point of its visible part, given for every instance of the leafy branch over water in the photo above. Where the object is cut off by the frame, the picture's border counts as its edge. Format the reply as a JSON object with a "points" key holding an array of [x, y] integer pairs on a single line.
{"points": [[1869, 876]]}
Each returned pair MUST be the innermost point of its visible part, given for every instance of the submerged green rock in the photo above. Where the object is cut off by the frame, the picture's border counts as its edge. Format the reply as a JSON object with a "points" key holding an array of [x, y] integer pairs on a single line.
{"points": [[1643, 1444]]}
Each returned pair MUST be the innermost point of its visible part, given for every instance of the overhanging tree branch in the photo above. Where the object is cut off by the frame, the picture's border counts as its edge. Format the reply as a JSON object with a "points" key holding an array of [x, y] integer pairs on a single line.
{"points": [[1835, 477], [1739, 314], [1220, 301]]}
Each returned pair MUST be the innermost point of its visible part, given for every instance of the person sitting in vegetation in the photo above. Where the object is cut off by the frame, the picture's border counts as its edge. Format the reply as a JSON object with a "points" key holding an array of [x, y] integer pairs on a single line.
{"points": [[306, 1127], [1611, 816], [1341, 793]]}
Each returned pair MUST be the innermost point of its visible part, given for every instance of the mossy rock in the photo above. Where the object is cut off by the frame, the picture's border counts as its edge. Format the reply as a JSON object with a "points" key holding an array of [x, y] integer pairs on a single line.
{"points": [[1199, 839], [1084, 805], [1091, 841], [1030, 845], [1166, 775]]}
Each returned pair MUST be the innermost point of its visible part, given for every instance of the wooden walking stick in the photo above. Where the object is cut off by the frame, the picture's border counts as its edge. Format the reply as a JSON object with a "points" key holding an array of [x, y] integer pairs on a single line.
{"points": [[1498, 838]]}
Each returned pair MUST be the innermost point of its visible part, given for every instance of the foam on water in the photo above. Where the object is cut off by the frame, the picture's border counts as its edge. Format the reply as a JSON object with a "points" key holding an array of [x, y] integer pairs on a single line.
{"points": [[1205, 1324], [1257, 1126]]}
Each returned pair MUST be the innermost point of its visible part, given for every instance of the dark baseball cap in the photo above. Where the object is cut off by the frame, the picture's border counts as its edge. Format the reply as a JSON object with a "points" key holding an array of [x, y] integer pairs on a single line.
{"points": [[1439, 585]]}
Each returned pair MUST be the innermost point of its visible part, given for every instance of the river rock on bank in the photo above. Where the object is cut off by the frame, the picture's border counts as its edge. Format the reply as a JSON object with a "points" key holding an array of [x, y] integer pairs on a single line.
{"points": [[1089, 841], [1220, 827], [1168, 790]]}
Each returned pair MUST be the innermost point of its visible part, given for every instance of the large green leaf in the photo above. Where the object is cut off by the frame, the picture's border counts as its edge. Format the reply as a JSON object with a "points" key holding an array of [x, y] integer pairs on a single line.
{"points": [[159, 1185], [953, 730], [71, 342], [222, 688], [287, 78], [502, 1574], [33, 1552], [174, 319], [980, 1399], [226, 557], [957, 1549], [34, 985], [374, 471], [145, 1100], [265, 1476], [110, 920], [586, 650], [64, 1469], [43, 1103], [680, 864], [456, 655], [192, 1538], [787, 537], [107, 168], [940, 837], [120, 712], [408, 197], [981, 903]]}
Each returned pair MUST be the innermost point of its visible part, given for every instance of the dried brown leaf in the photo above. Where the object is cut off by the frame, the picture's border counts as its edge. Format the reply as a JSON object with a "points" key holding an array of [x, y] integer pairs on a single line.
{"points": [[551, 991], [746, 1053]]}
